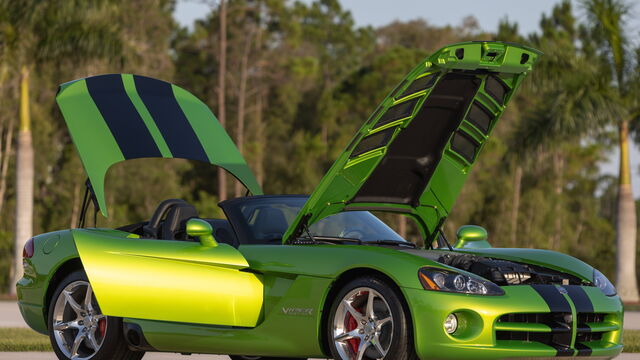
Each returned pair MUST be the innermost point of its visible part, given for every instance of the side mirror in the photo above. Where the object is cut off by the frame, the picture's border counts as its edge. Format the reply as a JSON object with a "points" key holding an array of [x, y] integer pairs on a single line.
{"points": [[202, 230], [471, 237]]}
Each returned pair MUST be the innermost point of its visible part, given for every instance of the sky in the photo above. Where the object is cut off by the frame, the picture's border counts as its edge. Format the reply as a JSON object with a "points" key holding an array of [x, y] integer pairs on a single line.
{"points": [[488, 12]]}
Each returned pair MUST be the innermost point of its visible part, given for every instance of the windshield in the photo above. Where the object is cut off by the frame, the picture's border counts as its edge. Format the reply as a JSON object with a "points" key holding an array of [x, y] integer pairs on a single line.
{"points": [[266, 219]]}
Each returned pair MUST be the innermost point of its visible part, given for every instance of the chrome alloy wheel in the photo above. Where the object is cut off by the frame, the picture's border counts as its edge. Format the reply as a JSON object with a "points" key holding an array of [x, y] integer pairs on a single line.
{"points": [[78, 325], [363, 325]]}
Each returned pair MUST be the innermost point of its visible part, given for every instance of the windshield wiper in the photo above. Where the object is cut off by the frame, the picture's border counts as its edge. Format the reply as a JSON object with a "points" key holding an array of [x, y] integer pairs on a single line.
{"points": [[334, 239], [392, 242]]}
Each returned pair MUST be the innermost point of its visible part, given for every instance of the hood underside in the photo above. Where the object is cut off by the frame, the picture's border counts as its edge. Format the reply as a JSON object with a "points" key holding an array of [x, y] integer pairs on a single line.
{"points": [[414, 153], [118, 117]]}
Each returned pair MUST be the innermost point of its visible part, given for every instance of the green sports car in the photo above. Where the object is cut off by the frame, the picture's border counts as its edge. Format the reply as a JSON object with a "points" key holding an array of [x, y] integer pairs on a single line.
{"points": [[286, 276]]}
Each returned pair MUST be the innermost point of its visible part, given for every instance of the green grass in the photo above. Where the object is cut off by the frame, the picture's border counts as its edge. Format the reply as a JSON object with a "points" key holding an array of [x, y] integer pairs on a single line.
{"points": [[632, 307], [19, 339], [631, 341]]}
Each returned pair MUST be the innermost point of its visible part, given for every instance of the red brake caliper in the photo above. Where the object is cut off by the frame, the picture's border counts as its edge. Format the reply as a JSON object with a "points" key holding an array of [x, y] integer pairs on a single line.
{"points": [[102, 326], [352, 324]]}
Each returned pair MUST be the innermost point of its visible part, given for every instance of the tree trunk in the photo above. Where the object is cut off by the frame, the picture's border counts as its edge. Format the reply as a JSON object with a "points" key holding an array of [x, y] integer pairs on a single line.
{"points": [[75, 207], [260, 137], [6, 156], [222, 69], [242, 97], [24, 181], [626, 280], [515, 206], [558, 170], [402, 226]]}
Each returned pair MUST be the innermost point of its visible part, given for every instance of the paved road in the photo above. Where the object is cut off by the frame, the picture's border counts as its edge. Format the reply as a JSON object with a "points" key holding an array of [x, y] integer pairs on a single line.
{"points": [[10, 315]]}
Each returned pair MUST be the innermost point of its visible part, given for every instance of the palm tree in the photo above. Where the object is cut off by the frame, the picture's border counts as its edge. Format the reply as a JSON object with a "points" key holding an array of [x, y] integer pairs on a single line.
{"points": [[607, 19], [569, 99], [222, 72], [34, 32]]}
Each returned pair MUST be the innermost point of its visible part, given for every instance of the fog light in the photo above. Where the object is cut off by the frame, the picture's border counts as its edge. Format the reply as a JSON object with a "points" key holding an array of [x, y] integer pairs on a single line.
{"points": [[451, 324]]}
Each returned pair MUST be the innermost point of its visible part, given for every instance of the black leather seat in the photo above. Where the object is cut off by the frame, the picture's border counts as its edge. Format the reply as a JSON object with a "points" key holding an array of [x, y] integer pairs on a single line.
{"points": [[174, 226], [169, 220], [270, 224]]}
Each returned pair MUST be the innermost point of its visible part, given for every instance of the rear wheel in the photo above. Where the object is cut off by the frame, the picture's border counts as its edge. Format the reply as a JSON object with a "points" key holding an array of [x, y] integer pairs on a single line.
{"points": [[367, 321], [77, 328]]}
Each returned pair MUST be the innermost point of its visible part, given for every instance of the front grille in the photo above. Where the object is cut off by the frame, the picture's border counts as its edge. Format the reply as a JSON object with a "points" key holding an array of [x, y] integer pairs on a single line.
{"points": [[587, 323], [559, 323], [554, 329]]}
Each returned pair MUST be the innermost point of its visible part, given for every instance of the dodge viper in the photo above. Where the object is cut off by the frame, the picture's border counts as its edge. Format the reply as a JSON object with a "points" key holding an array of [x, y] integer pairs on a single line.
{"points": [[288, 276]]}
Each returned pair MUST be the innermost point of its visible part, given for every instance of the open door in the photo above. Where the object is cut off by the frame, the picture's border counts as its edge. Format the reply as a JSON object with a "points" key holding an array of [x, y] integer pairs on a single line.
{"points": [[166, 280], [415, 152]]}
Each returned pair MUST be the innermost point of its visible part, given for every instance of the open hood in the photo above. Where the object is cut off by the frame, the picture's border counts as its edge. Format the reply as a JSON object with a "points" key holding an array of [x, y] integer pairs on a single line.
{"points": [[415, 152], [119, 117]]}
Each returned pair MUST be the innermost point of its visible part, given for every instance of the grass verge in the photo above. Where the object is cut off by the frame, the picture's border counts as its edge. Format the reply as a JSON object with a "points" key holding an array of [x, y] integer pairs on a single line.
{"points": [[20, 339], [631, 341]]}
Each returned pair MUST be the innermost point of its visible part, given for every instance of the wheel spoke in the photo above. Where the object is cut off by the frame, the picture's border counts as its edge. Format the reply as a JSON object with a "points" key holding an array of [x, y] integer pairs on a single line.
{"points": [[72, 302], [91, 337], [87, 298], [355, 313], [381, 322], [361, 349], [378, 346], [348, 335], [369, 312], [76, 344], [60, 326]]}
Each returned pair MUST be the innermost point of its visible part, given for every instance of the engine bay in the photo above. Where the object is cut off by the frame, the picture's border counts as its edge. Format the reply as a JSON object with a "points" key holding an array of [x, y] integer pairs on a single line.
{"points": [[504, 272]]}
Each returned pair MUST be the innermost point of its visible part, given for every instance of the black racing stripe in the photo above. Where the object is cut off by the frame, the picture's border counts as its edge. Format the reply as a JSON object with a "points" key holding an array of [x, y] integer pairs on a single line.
{"points": [[553, 298], [580, 298], [159, 99], [121, 116], [583, 350]]}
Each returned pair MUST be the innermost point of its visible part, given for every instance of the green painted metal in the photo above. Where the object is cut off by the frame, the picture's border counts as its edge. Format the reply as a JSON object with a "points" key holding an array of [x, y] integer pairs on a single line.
{"points": [[51, 251], [472, 237], [99, 150], [202, 230], [337, 191], [169, 278]]}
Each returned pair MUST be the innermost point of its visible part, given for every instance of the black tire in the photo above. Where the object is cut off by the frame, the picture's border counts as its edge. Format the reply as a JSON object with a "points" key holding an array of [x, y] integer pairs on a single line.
{"points": [[112, 344], [389, 304], [240, 357]]}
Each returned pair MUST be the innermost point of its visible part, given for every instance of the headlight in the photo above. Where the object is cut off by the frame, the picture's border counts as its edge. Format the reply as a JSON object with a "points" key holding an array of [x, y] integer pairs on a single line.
{"points": [[603, 283], [450, 281]]}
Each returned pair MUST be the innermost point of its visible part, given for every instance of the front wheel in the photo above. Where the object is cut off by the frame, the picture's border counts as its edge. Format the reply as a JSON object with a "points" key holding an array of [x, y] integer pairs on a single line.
{"points": [[77, 328], [367, 321]]}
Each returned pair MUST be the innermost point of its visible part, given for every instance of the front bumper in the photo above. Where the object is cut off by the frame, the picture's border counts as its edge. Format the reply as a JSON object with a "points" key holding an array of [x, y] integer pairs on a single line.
{"points": [[527, 322]]}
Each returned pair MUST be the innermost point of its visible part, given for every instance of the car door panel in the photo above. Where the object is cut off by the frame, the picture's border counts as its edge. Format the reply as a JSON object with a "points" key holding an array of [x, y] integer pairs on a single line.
{"points": [[166, 280]]}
